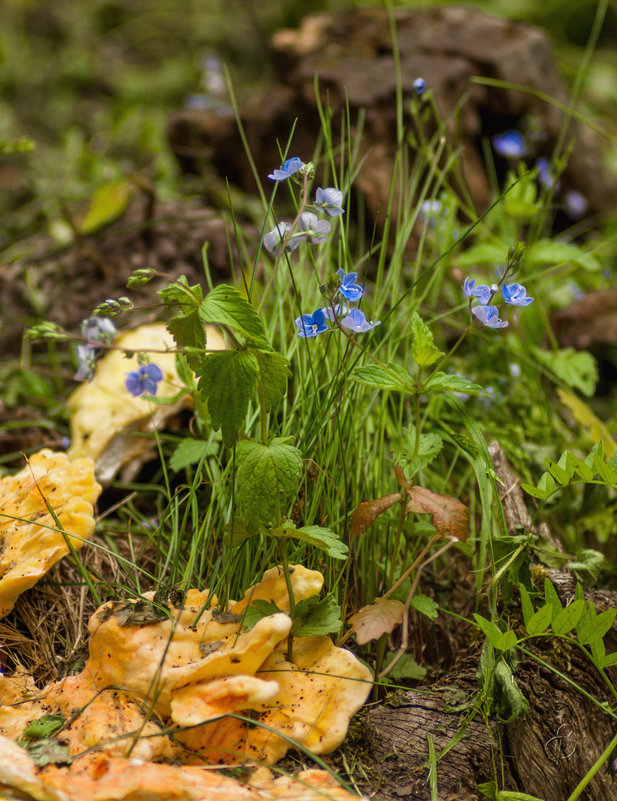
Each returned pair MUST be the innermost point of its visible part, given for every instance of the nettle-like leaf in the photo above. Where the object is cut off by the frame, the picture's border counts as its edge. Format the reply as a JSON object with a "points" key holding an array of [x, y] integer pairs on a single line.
{"points": [[274, 371], [443, 382], [576, 368], [268, 477], [236, 532], [227, 382], [412, 461], [321, 538], [188, 452], [257, 610], [378, 618], [313, 616], [425, 605], [226, 305], [388, 376], [182, 294], [367, 512], [423, 348], [450, 516], [188, 331]]}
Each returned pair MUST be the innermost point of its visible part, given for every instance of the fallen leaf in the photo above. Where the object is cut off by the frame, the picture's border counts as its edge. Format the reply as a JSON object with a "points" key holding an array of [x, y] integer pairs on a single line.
{"points": [[368, 511], [450, 516], [378, 618]]}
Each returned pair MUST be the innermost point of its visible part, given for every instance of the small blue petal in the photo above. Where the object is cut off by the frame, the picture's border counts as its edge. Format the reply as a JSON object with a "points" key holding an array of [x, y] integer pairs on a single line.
{"points": [[289, 168], [419, 85], [510, 144], [482, 292], [357, 322], [516, 295], [348, 288], [310, 325], [489, 316]]}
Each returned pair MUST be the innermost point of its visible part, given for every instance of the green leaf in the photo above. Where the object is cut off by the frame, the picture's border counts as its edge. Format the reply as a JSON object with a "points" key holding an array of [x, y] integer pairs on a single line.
{"points": [[408, 668], [483, 253], [236, 532], [547, 252], [107, 204], [565, 620], [507, 641], [490, 630], [411, 462], [226, 305], [425, 605], [268, 477], [180, 293], [515, 699], [550, 595], [512, 795], [257, 610], [49, 752], [388, 376], [545, 488], [188, 452], [604, 470], [274, 370], [587, 565], [188, 331], [526, 604], [227, 382], [576, 368], [423, 349], [540, 620], [609, 660], [593, 626], [43, 727], [442, 382], [558, 472], [312, 616], [321, 538]]}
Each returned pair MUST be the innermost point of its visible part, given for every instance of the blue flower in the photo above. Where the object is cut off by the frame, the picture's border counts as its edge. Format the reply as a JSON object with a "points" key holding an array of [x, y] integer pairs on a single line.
{"points": [[348, 288], [576, 204], [516, 295], [336, 312], [86, 358], [312, 324], [98, 329], [289, 168], [489, 316], [315, 230], [330, 200], [482, 293], [510, 145], [419, 85], [545, 175], [431, 211], [144, 380], [357, 322]]}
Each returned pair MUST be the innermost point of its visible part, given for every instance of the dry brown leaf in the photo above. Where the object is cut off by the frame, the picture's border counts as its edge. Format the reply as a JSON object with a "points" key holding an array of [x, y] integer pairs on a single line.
{"points": [[378, 618], [368, 511], [450, 516]]}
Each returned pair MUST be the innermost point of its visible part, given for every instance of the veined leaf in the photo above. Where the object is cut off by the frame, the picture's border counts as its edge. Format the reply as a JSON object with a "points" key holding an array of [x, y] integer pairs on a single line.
{"points": [[550, 595], [256, 610], [227, 382], [576, 368], [274, 371], [593, 626], [423, 348], [425, 605], [540, 620], [180, 293], [378, 618], [443, 382], [526, 604], [548, 251], [490, 630], [316, 617], [227, 306], [411, 461], [318, 537], [390, 376], [188, 452], [367, 512], [450, 516], [565, 620], [268, 477]]}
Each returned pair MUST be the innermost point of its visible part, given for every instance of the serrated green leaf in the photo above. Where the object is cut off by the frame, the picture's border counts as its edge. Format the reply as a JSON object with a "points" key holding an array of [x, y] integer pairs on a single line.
{"points": [[268, 477], [490, 630], [442, 382], [181, 293], [425, 605], [318, 537], [257, 610], [187, 330], [407, 668], [565, 620], [274, 370], [227, 382], [187, 452], [390, 376], [526, 604], [576, 368], [423, 348], [319, 617], [43, 727], [412, 461], [226, 305], [593, 626], [540, 620], [184, 371]]}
